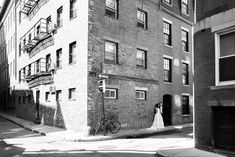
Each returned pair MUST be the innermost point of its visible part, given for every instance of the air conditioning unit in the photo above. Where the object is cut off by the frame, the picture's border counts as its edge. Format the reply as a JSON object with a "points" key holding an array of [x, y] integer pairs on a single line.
{"points": [[52, 27], [52, 89]]}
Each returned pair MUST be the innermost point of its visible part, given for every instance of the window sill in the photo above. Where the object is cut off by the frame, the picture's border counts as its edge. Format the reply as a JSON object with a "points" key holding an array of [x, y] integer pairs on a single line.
{"points": [[140, 99], [167, 4], [170, 46], [72, 63], [185, 14], [112, 18], [110, 62], [71, 18], [141, 67], [218, 87], [58, 68], [186, 85], [142, 29], [168, 83], [110, 98], [72, 99], [186, 52], [185, 115], [48, 101]]}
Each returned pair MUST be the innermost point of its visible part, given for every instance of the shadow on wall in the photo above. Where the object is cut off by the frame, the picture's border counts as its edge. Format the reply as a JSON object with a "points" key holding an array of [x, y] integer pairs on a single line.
{"points": [[23, 104]]}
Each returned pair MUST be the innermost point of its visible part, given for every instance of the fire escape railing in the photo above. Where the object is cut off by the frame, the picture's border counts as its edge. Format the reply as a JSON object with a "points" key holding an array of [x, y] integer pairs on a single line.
{"points": [[35, 35], [34, 70], [28, 5]]}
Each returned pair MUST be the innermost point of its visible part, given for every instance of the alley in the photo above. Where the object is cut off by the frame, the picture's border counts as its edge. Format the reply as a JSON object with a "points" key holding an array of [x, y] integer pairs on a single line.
{"points": [[16, 141]]}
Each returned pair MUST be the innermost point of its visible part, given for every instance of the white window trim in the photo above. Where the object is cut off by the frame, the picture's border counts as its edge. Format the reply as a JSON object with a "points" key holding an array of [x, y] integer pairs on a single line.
{"points": [[145, 92], [141, 88], [169, 57], [217, 54], [187, 6], [111, 89], [170, 4], [185, 94], [185, 29], [166, 20]]}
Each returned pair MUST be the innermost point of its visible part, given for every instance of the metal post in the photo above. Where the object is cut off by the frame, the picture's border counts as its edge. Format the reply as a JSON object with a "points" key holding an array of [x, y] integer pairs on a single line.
{"points": [[103, 110]]}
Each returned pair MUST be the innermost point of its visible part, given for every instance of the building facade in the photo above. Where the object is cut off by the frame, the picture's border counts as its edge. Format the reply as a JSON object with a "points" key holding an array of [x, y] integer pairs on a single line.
{"points": [[214, 76], [7, 55], [143, 47]]}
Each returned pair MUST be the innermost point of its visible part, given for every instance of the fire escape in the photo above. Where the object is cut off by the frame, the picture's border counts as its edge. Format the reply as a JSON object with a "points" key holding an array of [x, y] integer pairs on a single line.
{"points": [[28, 5], [35, 35]]}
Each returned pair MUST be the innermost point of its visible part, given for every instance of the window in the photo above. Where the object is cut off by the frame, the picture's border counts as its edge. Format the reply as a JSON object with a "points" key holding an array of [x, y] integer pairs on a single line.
{"points": [[23, 99], [37, 66], [72, 92], [111, 8], [29, 98], [140, 94], [48, 62], [185, 74], [20, 49], [110, 93], [58, 95], [167, 33], [29, 70], [225, 59], [19, 99], [19, 17], [167, 70], [185, 40], [141, 19], [59, 17], [38, 29], [49, 23], [167, 1], [184, 6], [72, 52], [141, 58], [73, 10], [47, 96], [110, 51], [185, 105], [24, 73], [58, 58], [19, 76]]}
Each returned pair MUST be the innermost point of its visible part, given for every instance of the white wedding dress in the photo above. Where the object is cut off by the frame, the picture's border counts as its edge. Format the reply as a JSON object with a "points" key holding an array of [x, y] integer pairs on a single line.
{"points": [[158, 120]]}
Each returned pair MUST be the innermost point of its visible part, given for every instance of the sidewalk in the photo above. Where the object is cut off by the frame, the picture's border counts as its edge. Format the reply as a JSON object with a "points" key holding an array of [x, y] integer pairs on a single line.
{"points": [[68, 135], [61, 134]]}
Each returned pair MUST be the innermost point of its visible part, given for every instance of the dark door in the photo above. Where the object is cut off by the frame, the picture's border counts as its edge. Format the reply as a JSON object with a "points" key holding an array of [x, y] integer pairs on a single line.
{"points": [[166, 111], [224, 125]]}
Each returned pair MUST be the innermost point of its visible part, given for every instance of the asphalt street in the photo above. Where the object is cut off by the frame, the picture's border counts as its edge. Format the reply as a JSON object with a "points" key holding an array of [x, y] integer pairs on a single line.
{"points": [[18, 142]]}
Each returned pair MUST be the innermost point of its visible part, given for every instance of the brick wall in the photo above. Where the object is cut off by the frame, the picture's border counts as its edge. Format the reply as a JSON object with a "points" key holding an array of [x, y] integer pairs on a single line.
{"points": [[204, 78], [211, 7], [126, 76]]}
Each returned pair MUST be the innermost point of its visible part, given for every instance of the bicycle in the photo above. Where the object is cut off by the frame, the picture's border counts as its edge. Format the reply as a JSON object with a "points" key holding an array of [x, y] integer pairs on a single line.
{"points": [[107, 125]]}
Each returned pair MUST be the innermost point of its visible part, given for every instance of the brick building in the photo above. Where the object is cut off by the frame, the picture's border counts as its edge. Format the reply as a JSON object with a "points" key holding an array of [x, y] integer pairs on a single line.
{"points": [[214, 75], [143, 46]]}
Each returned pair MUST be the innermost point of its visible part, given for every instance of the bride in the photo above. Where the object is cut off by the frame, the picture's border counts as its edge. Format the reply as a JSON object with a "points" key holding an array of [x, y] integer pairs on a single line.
{"points": [[158, 120]]}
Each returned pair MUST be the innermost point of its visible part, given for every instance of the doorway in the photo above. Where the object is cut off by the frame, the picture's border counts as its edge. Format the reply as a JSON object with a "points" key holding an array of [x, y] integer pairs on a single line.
{"points": [[37, 106], [166, 111]]}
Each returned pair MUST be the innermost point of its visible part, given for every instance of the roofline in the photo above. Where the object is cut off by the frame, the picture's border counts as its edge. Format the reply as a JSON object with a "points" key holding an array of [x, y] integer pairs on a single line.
{"points": [[4, 8]]}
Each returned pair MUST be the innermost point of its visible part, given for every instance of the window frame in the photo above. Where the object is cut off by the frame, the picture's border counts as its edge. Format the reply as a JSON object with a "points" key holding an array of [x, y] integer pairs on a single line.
{"points": [[72, 52], [59, 58], [70, 94], [47, 96], [144, 92], [144, 59], [169, 71], [185, 41], [139, 21], [217, 56], [187, 105], [168, 3], [185, 7], [59, 17], [185, 74], [72, 9], [115, 10], [111, 90], [58, 95], [48, 62], [167, 41], [115, 54]]}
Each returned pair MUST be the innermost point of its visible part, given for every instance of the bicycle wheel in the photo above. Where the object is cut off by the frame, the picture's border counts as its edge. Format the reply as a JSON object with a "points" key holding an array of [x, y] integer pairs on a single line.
{"points": [[114, 127]]}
